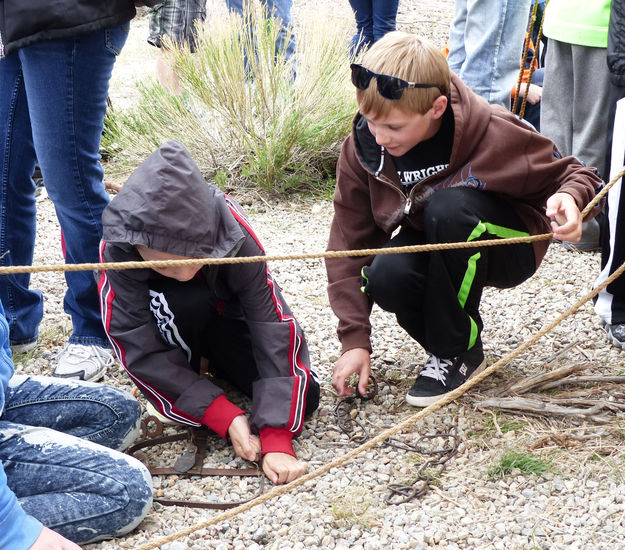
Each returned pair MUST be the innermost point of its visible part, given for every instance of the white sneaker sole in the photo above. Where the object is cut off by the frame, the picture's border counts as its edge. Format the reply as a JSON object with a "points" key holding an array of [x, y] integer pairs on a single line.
{"points": [[80, 375], [427, 400], [23, 348], [614, 341]]}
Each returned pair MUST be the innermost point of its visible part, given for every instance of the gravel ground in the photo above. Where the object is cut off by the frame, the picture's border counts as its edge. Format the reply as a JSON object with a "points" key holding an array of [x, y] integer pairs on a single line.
{"points": [[576, 503]]}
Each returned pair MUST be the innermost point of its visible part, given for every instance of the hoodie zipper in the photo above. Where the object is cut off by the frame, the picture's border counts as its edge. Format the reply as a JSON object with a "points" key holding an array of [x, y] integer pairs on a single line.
{"points": [[383, 179]]}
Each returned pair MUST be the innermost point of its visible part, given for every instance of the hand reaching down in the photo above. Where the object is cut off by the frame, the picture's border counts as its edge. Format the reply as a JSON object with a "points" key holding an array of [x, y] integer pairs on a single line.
{"points": [[283, 468], [245, 444]]}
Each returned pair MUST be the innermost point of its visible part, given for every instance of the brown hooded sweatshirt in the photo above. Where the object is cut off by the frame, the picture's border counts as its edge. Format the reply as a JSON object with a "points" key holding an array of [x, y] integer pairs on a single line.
{"points": [[493, 151]]}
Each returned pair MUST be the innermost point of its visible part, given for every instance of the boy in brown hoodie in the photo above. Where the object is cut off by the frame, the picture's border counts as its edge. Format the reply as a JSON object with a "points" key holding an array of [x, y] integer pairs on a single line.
{"points": [[431, 159]]}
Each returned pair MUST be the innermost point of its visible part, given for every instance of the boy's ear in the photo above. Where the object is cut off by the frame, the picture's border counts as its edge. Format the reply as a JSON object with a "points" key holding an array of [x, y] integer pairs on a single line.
{"points": [[438, 106]]}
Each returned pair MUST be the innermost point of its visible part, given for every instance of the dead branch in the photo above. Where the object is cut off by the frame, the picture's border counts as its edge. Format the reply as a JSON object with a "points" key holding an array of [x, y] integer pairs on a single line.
{"points": [[533, 406], [530, 383], [582, 380]]}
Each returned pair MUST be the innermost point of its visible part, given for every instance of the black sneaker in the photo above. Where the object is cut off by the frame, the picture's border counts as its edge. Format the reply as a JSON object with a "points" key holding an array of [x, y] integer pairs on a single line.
{"points": [[616, 334], [440, 376]]}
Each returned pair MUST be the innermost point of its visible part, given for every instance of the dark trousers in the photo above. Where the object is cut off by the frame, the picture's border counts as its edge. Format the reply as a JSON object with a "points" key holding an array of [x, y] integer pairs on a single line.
{"points": [[204, 330], [436, 295]]}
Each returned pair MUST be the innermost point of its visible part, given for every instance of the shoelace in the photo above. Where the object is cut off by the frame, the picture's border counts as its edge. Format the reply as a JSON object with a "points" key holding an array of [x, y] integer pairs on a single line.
{"points": [[436, 368]]}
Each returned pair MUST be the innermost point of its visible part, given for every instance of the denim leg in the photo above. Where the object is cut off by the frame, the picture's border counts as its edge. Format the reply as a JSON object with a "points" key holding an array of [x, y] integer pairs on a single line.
{"points": [[280, 9], [457, 53], [363, 12], [384, 17], [57, 441], [23, 307], [493, 44], [82, 490], [102, 414], [66, 83]]}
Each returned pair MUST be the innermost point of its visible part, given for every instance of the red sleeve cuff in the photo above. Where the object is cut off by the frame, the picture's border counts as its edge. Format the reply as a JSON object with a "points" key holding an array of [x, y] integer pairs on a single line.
{"points": [[220, 414], [276, 440]]}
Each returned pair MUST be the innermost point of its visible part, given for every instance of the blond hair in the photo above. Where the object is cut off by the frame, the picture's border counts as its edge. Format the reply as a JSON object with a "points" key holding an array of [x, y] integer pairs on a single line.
{"points": [[411, 58]]}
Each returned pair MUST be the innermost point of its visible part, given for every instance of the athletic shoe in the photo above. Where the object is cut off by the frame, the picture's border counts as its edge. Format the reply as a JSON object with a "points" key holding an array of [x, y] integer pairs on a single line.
{"points": [[151, 409], [616, 334], [83, 362], [440, 376], [23, 347]]}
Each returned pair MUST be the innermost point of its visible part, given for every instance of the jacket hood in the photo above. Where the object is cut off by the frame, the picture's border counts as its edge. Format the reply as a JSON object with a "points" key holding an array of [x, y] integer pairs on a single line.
{"points": [[471, 118], [167, 205]]}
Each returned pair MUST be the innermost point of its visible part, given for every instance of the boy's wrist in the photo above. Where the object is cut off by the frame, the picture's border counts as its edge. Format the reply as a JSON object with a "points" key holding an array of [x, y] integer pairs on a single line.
{"points": [[220, 414], [276, 440]]}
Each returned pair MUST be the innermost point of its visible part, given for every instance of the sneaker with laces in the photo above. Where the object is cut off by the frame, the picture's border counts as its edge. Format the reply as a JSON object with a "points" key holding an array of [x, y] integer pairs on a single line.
{"points": [[440, 376], [616, 334], [83, 362]]}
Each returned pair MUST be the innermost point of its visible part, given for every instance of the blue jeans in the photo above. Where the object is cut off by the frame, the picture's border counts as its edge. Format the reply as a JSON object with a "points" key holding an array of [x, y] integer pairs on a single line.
{"points": [[486, 43], [374, 18], [56, 446], [52, 107], [279, 9]]}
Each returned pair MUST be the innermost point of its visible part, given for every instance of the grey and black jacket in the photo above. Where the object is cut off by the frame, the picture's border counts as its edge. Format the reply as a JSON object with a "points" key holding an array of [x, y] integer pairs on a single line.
{"points": [[26, 22], [167, 205]]}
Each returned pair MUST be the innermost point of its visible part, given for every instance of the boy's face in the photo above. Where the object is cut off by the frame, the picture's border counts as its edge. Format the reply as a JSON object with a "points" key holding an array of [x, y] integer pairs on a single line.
{"points": [[180, 273], [398, 131]]}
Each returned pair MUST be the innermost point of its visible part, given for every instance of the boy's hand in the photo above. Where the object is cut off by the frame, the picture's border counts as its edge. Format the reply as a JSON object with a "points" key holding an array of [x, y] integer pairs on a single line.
{"points": [[245, 444], [283, 468], [50, 540], [568, 219], [357, 360], [534, 95]]}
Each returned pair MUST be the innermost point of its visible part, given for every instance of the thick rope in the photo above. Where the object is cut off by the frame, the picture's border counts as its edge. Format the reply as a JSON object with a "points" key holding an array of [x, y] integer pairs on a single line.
{"points": [[532, 65], [270, 258], [448, 398], [9, 269], [526, 47]]}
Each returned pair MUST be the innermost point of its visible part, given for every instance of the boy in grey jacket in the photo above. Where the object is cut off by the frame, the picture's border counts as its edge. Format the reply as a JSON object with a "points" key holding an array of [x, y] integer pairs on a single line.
{"points": [[165, 323]]}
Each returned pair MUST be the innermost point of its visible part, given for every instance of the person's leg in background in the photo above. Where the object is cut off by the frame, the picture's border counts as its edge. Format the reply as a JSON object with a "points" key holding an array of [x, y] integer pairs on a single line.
{"points": [[486, 51], [66, 83], [363, 12], [384, 17], [577, 127], [590, 113], [610, 303], [59, 447], [457, 53], [176, 19], [279, 9], [23, 306]]}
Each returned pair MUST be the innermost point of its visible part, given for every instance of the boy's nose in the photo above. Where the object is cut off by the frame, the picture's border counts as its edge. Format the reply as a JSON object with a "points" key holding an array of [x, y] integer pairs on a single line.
{"points": [[381, 139]]}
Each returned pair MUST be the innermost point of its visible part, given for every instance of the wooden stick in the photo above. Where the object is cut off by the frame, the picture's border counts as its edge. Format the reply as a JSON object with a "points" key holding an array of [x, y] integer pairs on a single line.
{"points": [[532, 382], [534, 406]]}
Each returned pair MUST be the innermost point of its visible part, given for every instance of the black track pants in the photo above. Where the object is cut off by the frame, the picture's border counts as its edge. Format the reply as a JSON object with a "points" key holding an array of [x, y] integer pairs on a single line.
{"points": [[436, 295], [201, 330]]}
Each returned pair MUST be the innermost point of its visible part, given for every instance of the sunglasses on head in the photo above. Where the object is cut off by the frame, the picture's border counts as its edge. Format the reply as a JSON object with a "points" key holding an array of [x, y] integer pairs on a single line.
{"points": [[389, 87]]}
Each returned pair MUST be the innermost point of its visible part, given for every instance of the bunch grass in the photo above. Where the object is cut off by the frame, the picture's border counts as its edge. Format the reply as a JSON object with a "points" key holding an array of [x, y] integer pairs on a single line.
{"points": [[248, 115], [526, 463]]}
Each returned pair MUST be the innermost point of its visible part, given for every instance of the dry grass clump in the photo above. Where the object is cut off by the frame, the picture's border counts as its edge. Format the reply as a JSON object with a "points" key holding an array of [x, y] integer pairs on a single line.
{"points": [[247, 114]]}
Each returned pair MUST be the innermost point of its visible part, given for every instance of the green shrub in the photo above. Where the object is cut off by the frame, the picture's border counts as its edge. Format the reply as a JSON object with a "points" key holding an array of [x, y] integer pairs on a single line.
{"points": [[525, 462], [246, 118]]}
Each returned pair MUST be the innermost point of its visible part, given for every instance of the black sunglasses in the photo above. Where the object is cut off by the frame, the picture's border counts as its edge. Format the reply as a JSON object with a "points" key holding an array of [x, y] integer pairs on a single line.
{"points": [[389, 87]]}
